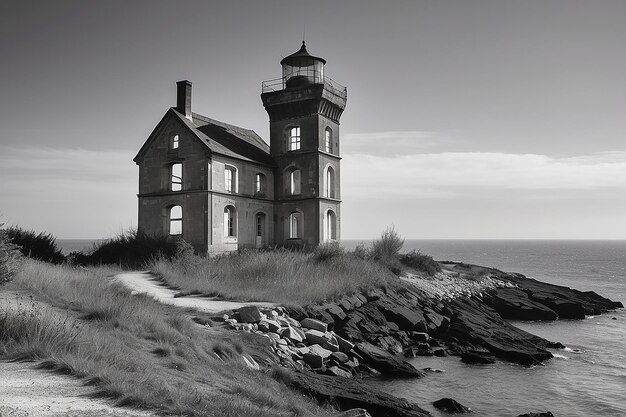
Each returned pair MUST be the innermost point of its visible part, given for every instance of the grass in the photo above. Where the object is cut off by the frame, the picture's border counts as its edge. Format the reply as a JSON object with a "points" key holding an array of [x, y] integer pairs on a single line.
{"points": [[9, 257], [135, 350], [289, 277]]}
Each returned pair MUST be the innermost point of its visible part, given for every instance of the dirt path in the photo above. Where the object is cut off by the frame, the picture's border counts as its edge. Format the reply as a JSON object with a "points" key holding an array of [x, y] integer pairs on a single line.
{"points": [[145, 282], [29, 392]]}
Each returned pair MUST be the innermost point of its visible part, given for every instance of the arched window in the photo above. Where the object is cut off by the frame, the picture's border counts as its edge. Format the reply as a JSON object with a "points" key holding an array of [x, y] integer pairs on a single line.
{"points": [[230, 179], [294, 138], [329, 183], [175, 220], [230, 221], [259, 183], [328, 140], [176, 177], [174, 142], [330, 226], [296, 225], [295, 182]]}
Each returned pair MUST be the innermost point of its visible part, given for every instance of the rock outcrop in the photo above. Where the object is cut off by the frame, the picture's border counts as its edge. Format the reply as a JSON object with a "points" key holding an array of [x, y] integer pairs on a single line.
{"points": [[349, 393], [451, 406]]}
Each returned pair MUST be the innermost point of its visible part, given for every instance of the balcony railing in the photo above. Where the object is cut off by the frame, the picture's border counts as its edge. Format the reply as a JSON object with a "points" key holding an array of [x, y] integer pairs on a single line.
{"points": [[331, 87]]}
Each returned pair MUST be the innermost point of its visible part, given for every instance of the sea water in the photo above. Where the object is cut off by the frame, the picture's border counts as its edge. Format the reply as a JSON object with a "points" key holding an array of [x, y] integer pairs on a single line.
{"points": [[586, 379]]}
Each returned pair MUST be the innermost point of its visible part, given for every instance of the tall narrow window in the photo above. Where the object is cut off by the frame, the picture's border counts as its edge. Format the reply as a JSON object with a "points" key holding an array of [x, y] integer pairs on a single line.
{"points": [[294, 138], [328, 140], [329, 183], [176, 220], [259, 183], [176, 182], [259, 225], [230, 221], [295, 225], [294, 182], [330, 229], [174, 142], [230, 179]]}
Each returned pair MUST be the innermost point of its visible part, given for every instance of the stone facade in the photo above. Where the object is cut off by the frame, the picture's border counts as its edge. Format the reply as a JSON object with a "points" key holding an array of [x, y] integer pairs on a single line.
{"points": [[222, 188]]}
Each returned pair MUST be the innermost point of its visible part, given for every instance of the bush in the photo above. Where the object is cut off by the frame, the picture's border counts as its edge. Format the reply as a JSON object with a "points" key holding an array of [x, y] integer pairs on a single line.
{"points": [[421, 262], [389, 244], [41, 246], [9, 257], [386, 249], [132, 249], [328, 251]]}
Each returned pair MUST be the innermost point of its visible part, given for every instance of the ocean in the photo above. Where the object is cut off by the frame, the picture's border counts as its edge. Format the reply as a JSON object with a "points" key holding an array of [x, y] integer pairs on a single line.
{"points": [[586, 379]]}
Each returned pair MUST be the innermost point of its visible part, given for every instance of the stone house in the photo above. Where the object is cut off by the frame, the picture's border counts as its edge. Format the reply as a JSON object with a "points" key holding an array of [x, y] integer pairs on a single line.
{"points": [[221, 187]]}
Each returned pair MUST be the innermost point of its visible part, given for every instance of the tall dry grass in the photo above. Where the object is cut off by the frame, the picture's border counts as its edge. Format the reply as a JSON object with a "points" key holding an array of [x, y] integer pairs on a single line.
{"points": [[281, 276], [135, 350]]}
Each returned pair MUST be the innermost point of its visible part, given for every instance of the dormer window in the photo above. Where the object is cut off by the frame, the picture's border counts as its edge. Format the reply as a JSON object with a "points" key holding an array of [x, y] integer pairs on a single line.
{"points": [[174, 142], [294, 138]]}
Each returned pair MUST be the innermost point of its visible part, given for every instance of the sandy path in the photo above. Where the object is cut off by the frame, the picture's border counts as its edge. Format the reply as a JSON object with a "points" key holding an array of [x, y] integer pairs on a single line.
{"points": [[145, 282], [29, 392]]}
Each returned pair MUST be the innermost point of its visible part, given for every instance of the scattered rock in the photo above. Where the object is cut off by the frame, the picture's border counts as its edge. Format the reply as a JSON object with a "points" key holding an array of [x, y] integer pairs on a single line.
{"points": [[249, 314], [450, 406], [315, 337], [337, 371], [340, 357], [309, 323], [384, 362]]}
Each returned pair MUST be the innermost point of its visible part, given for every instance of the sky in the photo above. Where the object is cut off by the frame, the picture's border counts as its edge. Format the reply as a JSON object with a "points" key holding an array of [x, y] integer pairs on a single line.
{"points": [[467, 119]]}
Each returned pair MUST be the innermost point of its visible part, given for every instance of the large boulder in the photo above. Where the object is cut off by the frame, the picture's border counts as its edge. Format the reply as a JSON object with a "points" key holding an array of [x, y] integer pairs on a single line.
{"points": [[384, 362], [451, 406], [476, 358], [406, 318], [545, 414]]}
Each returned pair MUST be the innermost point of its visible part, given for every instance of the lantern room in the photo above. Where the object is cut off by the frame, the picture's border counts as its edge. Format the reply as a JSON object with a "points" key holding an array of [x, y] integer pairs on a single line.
{"points": [[301, 69]]}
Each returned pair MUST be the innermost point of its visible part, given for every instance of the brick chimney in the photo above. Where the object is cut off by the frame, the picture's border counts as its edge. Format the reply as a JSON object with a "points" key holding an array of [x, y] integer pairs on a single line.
{"points": [[183, 98]]}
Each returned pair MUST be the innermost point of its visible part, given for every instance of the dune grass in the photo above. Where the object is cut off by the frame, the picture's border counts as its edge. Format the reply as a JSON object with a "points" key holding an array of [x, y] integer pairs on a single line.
{"points": [[135, 350], [281, 276]]}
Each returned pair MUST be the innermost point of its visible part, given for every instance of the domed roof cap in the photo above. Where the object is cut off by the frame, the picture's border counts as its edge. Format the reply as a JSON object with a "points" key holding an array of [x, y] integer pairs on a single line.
{"points": [[302, 58]]}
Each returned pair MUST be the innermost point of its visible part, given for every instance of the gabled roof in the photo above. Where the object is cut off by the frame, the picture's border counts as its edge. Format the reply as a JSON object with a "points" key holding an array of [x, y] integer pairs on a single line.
{"points": [[220, 138]]}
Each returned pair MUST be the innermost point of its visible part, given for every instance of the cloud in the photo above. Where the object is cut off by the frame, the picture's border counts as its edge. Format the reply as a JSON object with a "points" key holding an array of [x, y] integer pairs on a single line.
{"points": [[453, 173], [392, 143]]}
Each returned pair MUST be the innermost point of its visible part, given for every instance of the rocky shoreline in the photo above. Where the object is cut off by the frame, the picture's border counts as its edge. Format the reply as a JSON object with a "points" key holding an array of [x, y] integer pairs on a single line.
{"points": [[329, 348]]}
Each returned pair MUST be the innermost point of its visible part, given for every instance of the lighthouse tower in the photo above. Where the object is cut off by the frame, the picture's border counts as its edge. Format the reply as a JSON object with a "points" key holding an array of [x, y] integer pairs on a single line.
{"points": [[304, 107]]}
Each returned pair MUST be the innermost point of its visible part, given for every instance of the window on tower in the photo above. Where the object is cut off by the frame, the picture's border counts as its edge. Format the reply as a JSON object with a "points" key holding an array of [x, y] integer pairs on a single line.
{"points": [[295, 225], [294, 138], [328, 140], [259, 183], [294, 182]]}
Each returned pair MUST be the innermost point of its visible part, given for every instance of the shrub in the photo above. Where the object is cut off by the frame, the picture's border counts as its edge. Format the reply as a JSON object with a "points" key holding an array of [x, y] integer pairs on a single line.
{"points": [[421, 262], [41, 246], [133, 249], [361, 251], [386, 249], [389, 244], [328, 251], [9, 257]]}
